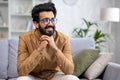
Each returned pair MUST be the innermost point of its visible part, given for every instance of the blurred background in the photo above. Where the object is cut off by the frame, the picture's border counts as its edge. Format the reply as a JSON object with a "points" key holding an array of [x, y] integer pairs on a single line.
{"points": [[15, 19]]}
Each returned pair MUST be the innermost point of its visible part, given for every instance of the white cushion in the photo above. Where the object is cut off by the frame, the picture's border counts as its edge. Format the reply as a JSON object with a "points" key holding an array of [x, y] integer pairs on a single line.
{"points": [[98, 66]]}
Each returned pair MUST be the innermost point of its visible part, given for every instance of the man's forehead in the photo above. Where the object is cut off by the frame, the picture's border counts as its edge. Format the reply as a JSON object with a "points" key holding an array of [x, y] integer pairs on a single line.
{"points": [[46, 14]]}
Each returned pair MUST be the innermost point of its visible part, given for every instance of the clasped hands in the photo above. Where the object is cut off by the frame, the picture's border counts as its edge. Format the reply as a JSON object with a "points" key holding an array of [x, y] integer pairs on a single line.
{"points": [[47, 41]]}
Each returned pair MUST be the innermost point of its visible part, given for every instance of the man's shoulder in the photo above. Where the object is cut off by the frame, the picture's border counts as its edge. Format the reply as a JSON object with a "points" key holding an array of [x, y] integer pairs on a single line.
{"points": [[61, 35], [27, 34]]}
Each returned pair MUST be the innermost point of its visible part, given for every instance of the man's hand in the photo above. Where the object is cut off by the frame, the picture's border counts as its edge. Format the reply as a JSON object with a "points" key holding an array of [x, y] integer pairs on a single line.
{"points": [[42, 45], [50, 41]]}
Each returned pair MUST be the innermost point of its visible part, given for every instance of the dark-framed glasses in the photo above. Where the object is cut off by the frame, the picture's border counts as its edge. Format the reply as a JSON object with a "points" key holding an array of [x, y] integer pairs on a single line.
{"points": [[47, 20]]}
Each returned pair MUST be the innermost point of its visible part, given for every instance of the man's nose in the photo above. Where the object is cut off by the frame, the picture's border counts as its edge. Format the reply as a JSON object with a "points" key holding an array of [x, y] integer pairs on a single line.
{"points": [[51, 23]]}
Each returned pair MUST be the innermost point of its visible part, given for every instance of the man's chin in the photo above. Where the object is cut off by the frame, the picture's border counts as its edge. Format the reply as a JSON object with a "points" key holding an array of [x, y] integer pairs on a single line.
{"points": [[50, 34]]}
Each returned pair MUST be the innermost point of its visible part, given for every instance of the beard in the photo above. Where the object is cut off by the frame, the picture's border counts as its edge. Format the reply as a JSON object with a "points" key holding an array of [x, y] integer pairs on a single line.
{"points": [[48, 30]]}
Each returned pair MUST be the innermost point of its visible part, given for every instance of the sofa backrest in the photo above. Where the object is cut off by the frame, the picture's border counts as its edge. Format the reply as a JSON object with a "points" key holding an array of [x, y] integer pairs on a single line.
{"points": [[12, 58], [78, 44], [8, 58], [9, 50], [3, 58]]}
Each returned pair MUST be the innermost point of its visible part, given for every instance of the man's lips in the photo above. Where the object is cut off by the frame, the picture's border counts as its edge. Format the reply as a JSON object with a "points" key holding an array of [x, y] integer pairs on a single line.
{"points": [[49, 30]]}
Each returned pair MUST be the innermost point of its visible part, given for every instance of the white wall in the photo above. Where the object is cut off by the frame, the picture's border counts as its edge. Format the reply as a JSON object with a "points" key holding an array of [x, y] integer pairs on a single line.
{"points": [[116, 32], [70, 17]]}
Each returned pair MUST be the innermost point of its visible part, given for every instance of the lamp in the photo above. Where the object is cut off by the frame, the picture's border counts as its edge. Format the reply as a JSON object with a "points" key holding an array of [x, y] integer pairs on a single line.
{"points": [[110, 15]]}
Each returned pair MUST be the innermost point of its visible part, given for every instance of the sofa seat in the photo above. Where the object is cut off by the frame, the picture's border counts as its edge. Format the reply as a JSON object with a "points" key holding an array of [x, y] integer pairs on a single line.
{"points": [[9, 51], [92, 79], [13, 79], [80, 79]]}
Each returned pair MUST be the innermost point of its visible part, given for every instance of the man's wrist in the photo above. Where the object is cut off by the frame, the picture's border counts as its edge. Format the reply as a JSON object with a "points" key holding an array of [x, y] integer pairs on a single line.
{"points": [[56, 50], [38, 49]]}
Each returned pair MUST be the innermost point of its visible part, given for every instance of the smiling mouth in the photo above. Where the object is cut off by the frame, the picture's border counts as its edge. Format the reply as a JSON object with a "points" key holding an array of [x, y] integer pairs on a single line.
{"points": [[48, 30]]}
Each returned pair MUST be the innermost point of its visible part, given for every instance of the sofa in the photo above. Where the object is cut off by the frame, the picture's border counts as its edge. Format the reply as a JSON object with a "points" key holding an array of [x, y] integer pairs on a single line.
{"points": [[8, 59]]}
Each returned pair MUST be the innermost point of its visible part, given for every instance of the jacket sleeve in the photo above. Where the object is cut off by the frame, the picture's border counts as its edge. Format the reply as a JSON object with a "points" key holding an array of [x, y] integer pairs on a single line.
{"points": [[26, 61], [64, 58]]}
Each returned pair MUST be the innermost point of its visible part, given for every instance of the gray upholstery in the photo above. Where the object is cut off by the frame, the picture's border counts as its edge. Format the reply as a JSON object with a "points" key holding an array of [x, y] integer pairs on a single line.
{"points": [[2, 79], [3, 58], [79, 44], [80, 79], [112, 72], [8, 58], [92, 79], [12, 59], [13, 79]]}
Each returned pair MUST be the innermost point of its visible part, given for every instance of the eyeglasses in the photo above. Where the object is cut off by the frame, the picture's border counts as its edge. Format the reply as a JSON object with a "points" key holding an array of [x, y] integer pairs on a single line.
{"points": [[46, 21]]}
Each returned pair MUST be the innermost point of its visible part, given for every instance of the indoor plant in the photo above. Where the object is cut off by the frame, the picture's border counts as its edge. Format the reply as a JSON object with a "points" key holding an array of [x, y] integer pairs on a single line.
{"points": [[98, 36]]}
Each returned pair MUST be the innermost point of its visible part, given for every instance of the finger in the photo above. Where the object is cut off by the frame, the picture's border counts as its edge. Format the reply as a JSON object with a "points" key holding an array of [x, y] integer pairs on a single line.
{"points": [[45, 39], [45, 42], [44, 36]]}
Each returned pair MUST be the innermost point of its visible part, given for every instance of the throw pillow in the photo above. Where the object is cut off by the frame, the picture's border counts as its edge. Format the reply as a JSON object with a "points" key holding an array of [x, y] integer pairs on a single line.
{"points": [[84, 59], [98, 66]]}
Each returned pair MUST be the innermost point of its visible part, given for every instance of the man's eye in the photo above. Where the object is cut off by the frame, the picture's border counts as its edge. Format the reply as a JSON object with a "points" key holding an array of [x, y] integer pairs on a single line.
{"points": [[46, 20], [54, 20]]}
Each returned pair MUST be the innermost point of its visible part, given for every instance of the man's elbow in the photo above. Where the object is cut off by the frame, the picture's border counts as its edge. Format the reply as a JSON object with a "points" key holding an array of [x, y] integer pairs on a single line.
{"points": [[70, 70], [21, 72]]}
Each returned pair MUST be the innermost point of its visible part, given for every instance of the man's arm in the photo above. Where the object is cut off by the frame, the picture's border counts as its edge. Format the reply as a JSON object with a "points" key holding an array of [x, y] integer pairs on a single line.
{"points": [[27, 61], [64, 58]]}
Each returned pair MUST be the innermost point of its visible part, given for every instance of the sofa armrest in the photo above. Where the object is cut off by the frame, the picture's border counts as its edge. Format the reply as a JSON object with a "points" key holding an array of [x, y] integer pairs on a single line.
{"points": [[112, 72]]}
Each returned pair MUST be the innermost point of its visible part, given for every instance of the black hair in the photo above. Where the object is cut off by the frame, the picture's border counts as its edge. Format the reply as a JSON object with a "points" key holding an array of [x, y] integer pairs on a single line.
{"points": [[43, 7]]}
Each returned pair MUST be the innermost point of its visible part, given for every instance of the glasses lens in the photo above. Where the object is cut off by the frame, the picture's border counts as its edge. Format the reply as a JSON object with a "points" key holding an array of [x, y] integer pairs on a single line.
{"points": [[54, 20], [47, 20]]}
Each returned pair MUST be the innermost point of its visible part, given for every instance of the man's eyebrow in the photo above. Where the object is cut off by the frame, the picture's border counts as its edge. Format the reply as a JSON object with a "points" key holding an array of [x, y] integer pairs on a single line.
{"points": [[47, 18]]}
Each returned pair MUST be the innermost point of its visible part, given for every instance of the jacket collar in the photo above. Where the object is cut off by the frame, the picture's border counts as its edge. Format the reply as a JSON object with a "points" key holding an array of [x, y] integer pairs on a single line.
{"points": [[37, 34]]}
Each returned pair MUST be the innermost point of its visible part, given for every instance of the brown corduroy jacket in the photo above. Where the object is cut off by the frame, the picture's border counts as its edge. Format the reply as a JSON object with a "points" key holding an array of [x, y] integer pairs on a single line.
{"points": [[46, 63]]}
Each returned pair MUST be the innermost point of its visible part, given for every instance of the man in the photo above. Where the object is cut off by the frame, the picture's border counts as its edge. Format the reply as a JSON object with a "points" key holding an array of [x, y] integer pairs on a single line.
{"points": [[44, 53]]}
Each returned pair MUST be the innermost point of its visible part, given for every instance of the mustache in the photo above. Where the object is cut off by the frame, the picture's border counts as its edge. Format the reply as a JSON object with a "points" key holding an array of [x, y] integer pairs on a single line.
{"points": [[49, 27]]}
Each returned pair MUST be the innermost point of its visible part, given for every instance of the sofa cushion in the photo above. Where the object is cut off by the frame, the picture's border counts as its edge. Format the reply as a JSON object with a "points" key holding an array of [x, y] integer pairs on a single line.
{"points": [[12, 63], [12, 79], [2, 79], [80, 79], [84, 59], [92, 79], [3, 58], [112, 72], [98, 66]]}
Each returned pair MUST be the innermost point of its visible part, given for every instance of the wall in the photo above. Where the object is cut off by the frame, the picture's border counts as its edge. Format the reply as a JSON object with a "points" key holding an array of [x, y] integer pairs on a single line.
{"points": [[116, 32], [70, 17]]}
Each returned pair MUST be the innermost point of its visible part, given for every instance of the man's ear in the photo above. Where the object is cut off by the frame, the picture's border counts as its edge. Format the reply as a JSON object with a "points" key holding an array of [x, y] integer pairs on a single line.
{"points": [[36, 24]]}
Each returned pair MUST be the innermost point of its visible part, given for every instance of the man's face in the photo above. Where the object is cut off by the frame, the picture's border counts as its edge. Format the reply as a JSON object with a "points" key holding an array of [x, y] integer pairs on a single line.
{"points": [[46, 23]]}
